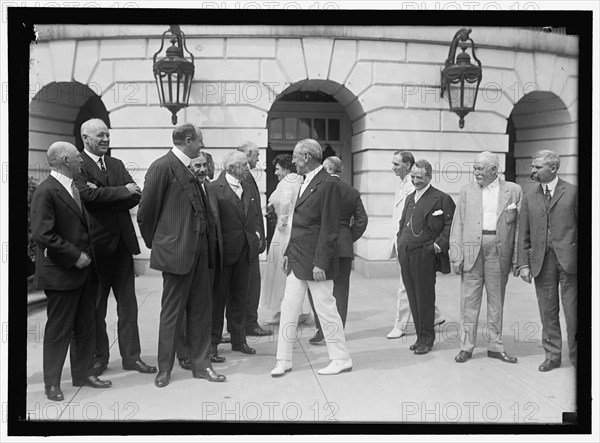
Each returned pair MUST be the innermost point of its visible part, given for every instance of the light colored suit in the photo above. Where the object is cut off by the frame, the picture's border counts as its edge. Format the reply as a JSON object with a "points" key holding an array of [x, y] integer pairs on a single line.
{"points": [[487, 259], [403, 315]]}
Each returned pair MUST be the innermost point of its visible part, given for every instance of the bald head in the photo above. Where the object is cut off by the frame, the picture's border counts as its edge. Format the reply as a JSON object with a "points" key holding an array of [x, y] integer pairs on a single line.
{"points": [[251, 150], [64, 157]]}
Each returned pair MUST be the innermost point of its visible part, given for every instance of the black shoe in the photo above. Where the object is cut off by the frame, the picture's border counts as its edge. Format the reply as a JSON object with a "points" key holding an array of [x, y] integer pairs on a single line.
{"points": [[243, 347], [185, 363], [257, 331], [502, 356], [548, 365], [141, 367], [54, 393], [318, 339], [463, 356], [214, 354], [162, 379], [423, 349], [99, 367], [414, 346], [92, 381], [209, 374]]}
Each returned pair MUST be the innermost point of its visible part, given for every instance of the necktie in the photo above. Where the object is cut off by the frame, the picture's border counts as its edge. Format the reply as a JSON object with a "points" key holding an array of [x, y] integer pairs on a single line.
{"points": [[101, 165], [76, 197], [547, 198]]}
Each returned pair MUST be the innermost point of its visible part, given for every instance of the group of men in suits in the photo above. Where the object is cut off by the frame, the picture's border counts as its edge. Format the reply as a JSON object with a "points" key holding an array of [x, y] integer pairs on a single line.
{"points": [[205, 237], [492, 231]]}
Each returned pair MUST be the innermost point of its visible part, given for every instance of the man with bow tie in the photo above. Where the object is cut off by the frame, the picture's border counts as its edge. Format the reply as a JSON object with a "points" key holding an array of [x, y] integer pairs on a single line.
{"points": [[108, 193], [483, 253], [548, 253], [422, 247], [177, 226]]}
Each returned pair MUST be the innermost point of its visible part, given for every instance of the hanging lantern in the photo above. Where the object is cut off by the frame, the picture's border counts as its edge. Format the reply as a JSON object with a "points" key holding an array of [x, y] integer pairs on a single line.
{"points": [[461, 77], [174, 73]]}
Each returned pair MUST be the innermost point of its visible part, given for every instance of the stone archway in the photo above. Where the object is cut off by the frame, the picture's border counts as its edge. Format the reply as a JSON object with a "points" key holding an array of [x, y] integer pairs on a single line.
{"points": [[56, 113], [541, 120]]}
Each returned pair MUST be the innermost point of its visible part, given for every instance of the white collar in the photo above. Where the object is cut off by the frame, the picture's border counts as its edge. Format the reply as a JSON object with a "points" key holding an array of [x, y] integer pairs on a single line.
{"points": [[94, 156], [232, 180], [182, 156], [62, 179], [424, 190], [550, 185], [493, 184], [308, 177]]}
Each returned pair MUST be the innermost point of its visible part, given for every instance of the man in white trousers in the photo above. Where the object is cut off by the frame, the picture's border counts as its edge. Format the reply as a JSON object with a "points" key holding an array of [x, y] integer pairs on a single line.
{"points": [[311, 261], [402, 162]]}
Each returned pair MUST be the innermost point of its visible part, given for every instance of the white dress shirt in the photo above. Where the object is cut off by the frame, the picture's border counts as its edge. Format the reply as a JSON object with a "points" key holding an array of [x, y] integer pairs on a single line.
{"points": [[418, 193], [550, 185], [308, 177], [235, 184], [489, 197], [96, 158]]}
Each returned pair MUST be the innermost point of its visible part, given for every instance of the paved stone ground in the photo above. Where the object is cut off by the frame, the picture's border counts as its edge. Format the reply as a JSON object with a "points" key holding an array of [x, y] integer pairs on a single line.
{"points": [[388, 384]]}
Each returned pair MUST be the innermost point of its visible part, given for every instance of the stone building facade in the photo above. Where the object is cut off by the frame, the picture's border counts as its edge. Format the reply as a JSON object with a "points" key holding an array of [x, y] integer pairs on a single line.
{"points": [[363, 91]]}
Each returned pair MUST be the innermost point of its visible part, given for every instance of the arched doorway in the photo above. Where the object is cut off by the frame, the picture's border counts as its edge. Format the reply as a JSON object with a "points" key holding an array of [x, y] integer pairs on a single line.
{"points": [[308, 110], [540, 120], [56, 114]]}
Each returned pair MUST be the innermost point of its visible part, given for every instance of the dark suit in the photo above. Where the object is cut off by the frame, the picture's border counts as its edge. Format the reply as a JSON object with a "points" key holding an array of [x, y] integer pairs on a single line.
{"points": [[178, 228], [60, 231], [418, 230], [114, 241], [548, 245], [353, 223], [239, 251], [254, 286]]}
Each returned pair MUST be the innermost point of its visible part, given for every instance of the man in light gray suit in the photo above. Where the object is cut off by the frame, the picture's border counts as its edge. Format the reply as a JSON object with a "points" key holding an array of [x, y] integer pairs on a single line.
{"points": [[548, 253], [402, 162], [483, 253]]}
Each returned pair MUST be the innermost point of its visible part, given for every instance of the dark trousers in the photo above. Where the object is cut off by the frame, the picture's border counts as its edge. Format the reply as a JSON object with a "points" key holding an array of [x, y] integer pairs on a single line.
{"points": [[341, 292], [116, 272], [546, 288], [186, 295], [417, 264], [70, 321], [253, 295], [182, 350], [231, 290]]}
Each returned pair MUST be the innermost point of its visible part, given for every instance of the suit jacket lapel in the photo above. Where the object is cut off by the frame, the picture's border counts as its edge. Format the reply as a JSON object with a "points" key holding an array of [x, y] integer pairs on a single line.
{"points": [[539, 198], [503, 198], [231, 195], [183, 176], [94, 170], [246, 194], [558, 193], [430, 200], [312, 187], [64, 195]]}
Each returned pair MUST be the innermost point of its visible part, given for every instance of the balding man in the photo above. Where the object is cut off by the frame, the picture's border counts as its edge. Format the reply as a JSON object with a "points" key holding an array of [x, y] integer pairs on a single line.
{"points": [[176, 224], [59, 228], [108, 193], [482, 252], [311, 261], [252, 326], [236, 205]]}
